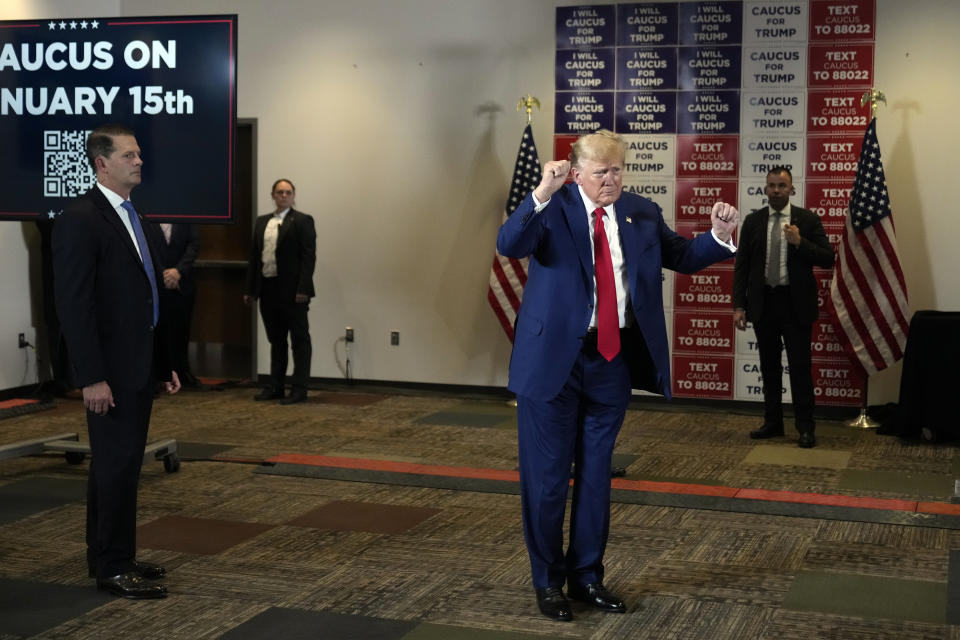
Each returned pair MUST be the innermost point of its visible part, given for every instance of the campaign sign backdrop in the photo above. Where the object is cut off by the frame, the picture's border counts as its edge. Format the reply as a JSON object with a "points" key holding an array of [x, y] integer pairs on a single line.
{"points": [[172, 80], [709, 95]]}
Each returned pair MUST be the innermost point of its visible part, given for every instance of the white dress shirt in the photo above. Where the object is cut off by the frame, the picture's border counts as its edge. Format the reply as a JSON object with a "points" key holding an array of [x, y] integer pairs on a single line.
{"points": [[116, 201], [269, 254]]}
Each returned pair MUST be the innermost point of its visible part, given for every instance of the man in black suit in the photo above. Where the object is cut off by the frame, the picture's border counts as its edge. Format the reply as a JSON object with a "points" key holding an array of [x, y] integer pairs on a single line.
{"points": [[775, 289], [178, 244], [106, 291], [280, 274]]}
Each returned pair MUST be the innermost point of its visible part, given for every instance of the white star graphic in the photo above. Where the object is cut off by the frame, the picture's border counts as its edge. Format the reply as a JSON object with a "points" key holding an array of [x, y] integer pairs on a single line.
{"points": [[51, 214], [83, 25], [94, 24], [73, 24], [52, 25], [63, 25]]}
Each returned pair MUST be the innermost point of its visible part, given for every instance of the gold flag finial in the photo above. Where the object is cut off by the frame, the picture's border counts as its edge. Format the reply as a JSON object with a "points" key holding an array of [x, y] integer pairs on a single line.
{"points": [[874, 97], [528, 102]]}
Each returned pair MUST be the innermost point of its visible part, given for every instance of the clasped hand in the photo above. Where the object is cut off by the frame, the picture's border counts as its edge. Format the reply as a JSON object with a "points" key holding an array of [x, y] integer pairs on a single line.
{"points": [[724, 218]]}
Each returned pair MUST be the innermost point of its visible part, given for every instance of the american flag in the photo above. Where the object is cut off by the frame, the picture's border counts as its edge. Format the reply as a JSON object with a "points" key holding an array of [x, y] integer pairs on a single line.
{"points": [[509, 275], [868, 291]]}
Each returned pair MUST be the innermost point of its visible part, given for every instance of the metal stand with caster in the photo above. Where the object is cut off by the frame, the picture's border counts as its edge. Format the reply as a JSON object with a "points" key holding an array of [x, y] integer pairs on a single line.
{"points": [[75, 451]]}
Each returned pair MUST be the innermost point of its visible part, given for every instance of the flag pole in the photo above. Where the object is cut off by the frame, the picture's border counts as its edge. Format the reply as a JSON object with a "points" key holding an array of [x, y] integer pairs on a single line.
{"points": [[863, 421]]}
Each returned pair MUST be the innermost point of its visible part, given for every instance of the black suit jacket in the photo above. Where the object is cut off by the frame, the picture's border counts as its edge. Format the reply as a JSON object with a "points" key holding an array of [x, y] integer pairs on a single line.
{"points": [[749, 273], [103, 298], [180, 254], [296, 255]]}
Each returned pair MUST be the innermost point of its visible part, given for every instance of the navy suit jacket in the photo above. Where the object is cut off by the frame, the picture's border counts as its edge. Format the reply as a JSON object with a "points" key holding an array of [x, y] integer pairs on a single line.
{"points": [[179, 254], [558, 297], [103, 298]]}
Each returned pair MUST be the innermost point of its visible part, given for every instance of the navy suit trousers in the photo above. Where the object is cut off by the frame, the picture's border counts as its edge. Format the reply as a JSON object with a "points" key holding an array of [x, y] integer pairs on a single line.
{"points": [[579, 425]]}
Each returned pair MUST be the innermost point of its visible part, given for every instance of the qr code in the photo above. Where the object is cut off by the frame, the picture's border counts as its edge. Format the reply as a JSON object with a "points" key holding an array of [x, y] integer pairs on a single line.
{"points": [[66, 173]]}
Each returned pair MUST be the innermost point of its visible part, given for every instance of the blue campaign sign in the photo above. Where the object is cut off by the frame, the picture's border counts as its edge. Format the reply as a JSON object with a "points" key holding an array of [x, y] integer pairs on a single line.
{"points": [[583, 112], [646, 68], [708, 112], [585, 69], [713, 68], [711, 22], [172, 80], [646, 112], [647, 24], [586, 27]]}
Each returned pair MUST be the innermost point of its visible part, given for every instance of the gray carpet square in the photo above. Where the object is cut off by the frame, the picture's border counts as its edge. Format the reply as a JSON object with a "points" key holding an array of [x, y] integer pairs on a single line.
{"points": [[22, 498], [30, 608], [297, 624], [200, 450]]}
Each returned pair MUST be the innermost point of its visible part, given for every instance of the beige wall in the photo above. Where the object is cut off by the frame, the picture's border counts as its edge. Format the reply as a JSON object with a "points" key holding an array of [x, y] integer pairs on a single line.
{"points": [[396, 121]]}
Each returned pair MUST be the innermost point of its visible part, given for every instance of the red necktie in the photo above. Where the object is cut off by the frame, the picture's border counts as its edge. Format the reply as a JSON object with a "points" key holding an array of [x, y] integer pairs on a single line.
{"points": [[608, 318]]}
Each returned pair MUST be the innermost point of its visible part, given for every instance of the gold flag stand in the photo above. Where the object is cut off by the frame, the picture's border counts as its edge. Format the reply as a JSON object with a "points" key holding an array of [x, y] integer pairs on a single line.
{"points": [[863, 421]]}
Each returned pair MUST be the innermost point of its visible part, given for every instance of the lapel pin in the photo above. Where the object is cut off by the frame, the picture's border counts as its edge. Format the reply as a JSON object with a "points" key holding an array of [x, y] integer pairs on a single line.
{"points": [[629, 219]]}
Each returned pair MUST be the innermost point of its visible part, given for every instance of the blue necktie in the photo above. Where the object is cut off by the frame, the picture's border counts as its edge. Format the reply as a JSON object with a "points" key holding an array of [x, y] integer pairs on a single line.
{"points": [[145, 255]]}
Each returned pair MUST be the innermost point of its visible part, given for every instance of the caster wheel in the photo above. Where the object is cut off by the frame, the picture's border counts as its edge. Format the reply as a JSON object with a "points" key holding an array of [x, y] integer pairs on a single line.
{"points": [[74, 457], [171, 464]]}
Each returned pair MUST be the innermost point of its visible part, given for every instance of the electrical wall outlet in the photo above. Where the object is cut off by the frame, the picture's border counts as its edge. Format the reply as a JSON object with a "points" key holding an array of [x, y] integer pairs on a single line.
{"points": [[21, 341], [394, 338], [349, 334]]}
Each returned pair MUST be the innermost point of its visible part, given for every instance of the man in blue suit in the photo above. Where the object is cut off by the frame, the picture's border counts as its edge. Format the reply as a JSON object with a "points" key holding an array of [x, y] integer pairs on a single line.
{"points": [[587, 331]]}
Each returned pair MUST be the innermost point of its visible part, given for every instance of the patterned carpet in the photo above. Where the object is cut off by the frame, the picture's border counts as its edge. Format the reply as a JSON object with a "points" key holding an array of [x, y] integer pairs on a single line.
{"points": [[268, 555]]}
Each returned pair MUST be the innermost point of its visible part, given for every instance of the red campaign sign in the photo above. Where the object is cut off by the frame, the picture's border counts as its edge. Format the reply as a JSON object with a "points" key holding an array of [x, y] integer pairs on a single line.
{"points": [[842, 20], [708, 156], [824, 342], [694, 229], [703, 376], [561, 148], [833, 157], [695, 199], [834, 231], [823, 278], [703, 332], [836, 111], [837, 382], [710, 289], [829, 199], [840, 65]]}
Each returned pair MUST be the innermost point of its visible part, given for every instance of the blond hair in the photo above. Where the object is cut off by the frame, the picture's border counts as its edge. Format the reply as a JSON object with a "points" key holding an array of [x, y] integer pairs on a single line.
{"points": [[599, 146]]}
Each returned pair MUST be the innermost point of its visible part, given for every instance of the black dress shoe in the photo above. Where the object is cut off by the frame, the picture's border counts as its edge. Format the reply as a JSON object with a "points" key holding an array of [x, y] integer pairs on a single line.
{"points": [[131, 585], [597, 596], [295, 397], [618, 472], [146, 570], [553, 604], [767, 431], [806, 440], [269, 394]]}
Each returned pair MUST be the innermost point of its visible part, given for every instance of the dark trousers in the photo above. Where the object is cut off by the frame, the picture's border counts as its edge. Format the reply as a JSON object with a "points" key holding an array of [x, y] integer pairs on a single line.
{"points": [[775, 329], [579, 425], [282, 317], [179, 312], [117, 441]]}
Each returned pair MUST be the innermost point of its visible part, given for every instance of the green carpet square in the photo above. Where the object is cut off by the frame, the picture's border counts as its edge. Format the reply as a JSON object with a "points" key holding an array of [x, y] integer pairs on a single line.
{"points": [[868, 597], [927, 484]]}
